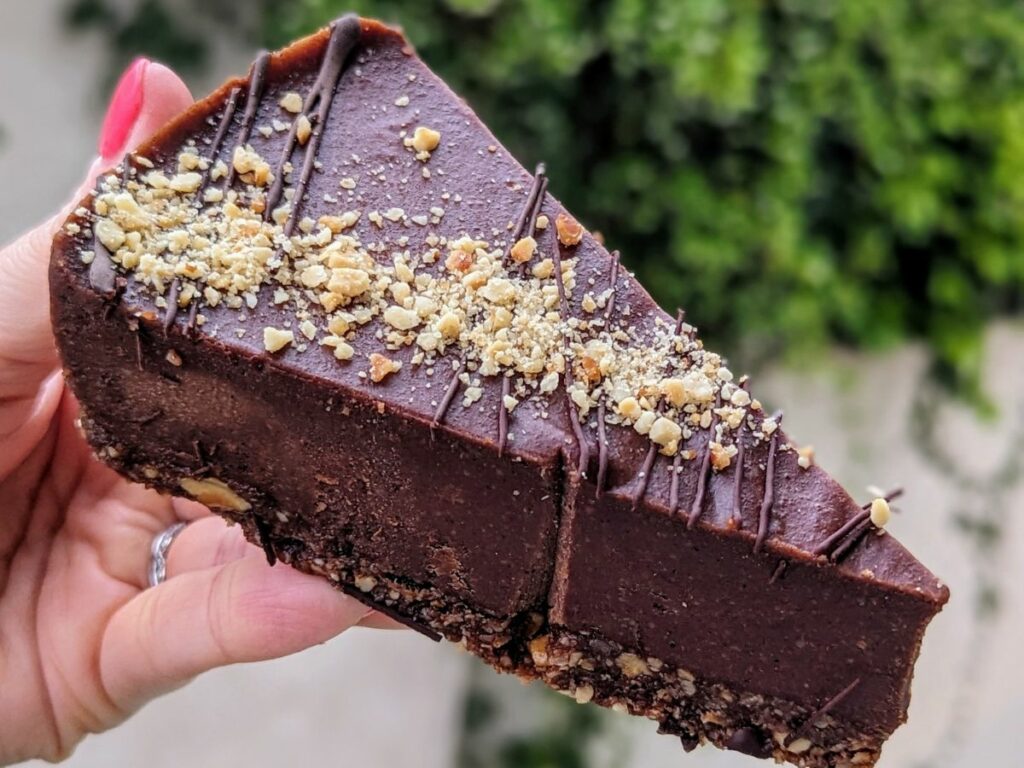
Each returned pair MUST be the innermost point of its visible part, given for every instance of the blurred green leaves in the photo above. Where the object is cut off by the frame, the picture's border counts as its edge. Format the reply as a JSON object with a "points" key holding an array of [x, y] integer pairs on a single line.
{"points": [[795, 172]]}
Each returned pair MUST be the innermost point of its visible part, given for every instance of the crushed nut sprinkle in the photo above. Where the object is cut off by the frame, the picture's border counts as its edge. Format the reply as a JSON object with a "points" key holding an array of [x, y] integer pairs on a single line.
{"points": [[805, 454], [570, 231], [275, 339], [291, 102], [880, 512], [455, 293], [381, 367], [425, 139]]}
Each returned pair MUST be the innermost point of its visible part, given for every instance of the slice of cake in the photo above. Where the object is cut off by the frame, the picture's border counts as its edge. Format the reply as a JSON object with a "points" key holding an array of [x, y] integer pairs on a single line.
{"points": [[326, 302]]}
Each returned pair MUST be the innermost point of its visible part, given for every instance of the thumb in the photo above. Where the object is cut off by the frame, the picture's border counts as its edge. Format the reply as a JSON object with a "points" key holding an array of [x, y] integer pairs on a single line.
{"points": [[146, 97], [241, 611]]}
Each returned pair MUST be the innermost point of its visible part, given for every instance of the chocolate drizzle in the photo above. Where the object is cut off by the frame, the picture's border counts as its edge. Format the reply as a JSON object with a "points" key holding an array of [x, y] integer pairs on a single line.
{"points": [[218, 139], [779, 570], [673, 488], [137, 339], [449, 395], [193, 318], [527, 221], [103, 276], [602, 449], [645, 474], [846, 537], [257, 82], [737, 482], [827, 707], [102, 272], [172, 305], [612, 279], [736, 519], [506, 390], [567, 377], [345, 34], [764, 518], [704, 478], [652, 449], [602, 436]]}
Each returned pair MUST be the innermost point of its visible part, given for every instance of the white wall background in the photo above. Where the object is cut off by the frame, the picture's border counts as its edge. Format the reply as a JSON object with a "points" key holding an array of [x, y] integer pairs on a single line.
{"points": [[392, 699]]}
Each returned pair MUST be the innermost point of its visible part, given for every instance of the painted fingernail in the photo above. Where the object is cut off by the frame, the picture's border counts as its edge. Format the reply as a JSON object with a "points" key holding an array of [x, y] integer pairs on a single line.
{"points": [[124, 109]]}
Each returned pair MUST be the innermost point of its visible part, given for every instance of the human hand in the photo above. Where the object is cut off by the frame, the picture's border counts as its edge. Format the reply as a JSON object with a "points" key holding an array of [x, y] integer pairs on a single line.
{"points": [[83, 642]]}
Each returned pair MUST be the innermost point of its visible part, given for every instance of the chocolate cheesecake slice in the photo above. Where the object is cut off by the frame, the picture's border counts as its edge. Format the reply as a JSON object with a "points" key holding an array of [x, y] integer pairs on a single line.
{"points": [[327, 302]]}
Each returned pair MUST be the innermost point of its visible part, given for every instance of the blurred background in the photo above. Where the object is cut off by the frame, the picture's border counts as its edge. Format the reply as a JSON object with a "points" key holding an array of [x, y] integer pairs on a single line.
{"points": [[835, 192]]}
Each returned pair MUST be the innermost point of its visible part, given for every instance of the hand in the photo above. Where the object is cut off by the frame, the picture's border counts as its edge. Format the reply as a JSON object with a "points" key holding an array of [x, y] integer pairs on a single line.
{"points": [[83, 642]]}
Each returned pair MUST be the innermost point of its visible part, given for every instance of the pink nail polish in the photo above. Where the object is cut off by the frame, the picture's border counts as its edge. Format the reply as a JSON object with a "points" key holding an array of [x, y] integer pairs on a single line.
{"points": [[123, 110]]}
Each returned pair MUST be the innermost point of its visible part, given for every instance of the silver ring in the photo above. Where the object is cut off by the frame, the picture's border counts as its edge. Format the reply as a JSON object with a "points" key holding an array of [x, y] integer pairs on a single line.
{"points": [[158, 553]]}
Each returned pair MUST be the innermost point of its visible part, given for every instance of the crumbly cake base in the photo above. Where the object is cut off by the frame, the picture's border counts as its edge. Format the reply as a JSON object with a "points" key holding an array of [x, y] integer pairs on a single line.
{"points": [[582, 665], [592, 669]]}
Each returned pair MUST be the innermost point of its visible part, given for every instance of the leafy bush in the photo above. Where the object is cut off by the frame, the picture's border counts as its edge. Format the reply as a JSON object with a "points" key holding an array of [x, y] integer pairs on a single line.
{"points": [[793, 171]]}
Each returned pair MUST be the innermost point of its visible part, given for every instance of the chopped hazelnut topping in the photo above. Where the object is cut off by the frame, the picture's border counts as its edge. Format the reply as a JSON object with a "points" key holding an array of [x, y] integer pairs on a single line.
{"points": [[740, 398], [381, 367], [880, 512], [425, 139], [291, 102], [186, 182], [449, 325], [275, 339], [721, 456], [805, 454], [251, 167], [583, 694], [214, 493], [303, 129], [549, 383], [570, 231], [666, 433], [542, 222], [544, 269], [400, 318], [523, 250], [501, 321], [645, 422], [308, 329], [365, 583], [630, 408], [111, 235], [342, 349], [632, 665], [471, 395], [798, 746]]}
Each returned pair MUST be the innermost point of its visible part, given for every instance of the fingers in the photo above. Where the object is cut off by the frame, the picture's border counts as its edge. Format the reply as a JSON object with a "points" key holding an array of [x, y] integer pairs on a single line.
{"points": [[209, 541], [239, 612], [206, 543], [25, 339]]}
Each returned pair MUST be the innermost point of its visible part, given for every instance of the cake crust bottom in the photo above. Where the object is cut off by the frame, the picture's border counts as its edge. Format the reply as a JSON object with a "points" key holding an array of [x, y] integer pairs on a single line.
{"points": [[583, 665]]}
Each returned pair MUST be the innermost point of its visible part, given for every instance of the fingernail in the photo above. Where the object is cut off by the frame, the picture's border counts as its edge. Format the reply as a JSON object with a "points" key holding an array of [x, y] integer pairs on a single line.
{"points": [[124, 109]]}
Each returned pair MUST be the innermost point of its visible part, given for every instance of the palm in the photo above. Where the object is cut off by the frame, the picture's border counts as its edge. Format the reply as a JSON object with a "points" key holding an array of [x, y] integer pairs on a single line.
{"points": [[83, 642], [73, 552]]}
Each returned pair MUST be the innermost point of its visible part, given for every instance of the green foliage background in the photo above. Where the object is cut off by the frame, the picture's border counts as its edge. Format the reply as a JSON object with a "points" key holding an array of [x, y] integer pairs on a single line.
{"points": [[794, 172]]}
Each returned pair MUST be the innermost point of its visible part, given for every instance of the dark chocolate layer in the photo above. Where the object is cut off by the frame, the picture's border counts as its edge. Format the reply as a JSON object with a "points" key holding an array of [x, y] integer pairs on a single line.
{"points": [[493, 527]]}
